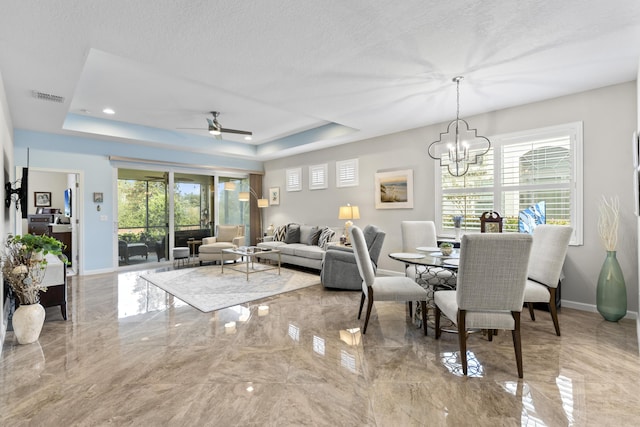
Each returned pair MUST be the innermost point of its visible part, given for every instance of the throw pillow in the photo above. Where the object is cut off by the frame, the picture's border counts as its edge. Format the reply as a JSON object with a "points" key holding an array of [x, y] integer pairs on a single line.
{"points": [[306, 232], [226, 233], [326, 236], [313, 240], [279, 233], [293, 234]]}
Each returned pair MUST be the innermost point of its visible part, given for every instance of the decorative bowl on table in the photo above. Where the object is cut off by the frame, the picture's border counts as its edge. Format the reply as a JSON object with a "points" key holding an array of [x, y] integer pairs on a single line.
{"points": [[446, 248]]}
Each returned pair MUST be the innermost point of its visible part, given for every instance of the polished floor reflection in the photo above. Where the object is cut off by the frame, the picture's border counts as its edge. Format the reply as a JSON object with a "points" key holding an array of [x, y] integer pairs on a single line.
{"points": [[130, 354]]}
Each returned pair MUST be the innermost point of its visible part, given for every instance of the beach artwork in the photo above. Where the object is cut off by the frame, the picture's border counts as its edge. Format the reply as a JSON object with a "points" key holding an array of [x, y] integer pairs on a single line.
{"points": [[394, 190]]}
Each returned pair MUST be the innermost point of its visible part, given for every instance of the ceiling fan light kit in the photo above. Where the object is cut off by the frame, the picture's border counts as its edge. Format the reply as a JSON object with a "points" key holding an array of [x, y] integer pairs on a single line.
{"points": [[216, 129]]}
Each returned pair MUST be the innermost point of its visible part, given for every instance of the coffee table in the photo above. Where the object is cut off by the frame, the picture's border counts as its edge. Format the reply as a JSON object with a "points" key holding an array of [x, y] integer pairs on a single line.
{"points": [[248, 254]]}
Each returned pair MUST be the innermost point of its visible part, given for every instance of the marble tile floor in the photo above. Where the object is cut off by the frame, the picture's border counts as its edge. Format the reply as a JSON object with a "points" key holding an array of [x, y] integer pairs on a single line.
{"points": [[130, 354]]}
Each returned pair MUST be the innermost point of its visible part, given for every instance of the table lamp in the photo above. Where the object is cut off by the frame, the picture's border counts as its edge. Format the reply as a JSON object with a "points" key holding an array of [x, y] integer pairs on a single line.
{"points": [[348, 212]]}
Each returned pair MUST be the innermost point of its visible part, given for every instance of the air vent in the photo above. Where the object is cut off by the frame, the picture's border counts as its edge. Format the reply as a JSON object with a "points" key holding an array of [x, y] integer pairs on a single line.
{"points": [[47, 97]]}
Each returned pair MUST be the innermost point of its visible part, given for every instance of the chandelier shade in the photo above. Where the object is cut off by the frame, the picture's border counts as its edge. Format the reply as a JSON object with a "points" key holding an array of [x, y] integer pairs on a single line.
{"points": [[460, 146]]}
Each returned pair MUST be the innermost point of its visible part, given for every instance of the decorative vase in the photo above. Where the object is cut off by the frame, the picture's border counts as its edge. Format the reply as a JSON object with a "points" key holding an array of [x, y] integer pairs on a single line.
{"points": [[457, 238], [27, 322], [611, 293], [270, 230]]}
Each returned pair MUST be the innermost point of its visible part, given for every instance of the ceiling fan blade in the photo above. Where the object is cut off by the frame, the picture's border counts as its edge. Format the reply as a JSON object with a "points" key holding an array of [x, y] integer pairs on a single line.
{"points": [[239, 132]]}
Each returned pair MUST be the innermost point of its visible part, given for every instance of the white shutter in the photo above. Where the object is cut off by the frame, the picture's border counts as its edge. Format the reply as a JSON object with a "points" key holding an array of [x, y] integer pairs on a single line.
{"points": [[347, 173], [318, 177], [294, 179]]}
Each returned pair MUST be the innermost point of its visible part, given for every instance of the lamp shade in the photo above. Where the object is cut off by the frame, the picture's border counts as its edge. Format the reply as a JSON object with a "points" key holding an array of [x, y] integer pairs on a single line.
{"points": [[263, 203], [230, 186], [243, 196], [349, 212]]}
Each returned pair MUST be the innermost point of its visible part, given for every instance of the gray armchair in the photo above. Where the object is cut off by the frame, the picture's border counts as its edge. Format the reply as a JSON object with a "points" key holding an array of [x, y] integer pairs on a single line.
{"points": [[339, 268]]}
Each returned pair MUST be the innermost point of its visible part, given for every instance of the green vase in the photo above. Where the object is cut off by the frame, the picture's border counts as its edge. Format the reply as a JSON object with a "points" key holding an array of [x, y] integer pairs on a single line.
{"points": [[611, 293]]}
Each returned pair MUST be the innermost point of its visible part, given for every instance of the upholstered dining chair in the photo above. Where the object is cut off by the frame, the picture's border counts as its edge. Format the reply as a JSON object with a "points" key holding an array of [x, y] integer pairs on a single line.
{"points": [[549, 249], [388, 288], [416, 234], [490, 289]]}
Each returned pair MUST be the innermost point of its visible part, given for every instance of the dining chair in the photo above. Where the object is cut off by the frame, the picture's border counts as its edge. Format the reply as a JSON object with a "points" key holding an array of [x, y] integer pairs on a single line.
{"points": [[548, 252], [387, 288], [490, 290], [417, 234]]}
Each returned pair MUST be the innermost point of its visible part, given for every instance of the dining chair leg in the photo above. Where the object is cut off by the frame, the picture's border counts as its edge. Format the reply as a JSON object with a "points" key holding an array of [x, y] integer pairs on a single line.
{"points": [[366, 320], [423, 305], [462, 338], [410, 309], [531, 313], [361, 305], [553, 310], [438, 331], [516, 341]]}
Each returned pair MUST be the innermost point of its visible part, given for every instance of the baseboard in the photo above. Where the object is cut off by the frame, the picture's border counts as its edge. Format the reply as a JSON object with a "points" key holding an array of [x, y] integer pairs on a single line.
{"points": [[5, 322]]}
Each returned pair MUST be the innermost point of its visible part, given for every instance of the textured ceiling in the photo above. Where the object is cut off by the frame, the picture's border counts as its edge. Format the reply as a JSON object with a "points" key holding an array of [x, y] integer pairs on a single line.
{"points": [[300, 75]]}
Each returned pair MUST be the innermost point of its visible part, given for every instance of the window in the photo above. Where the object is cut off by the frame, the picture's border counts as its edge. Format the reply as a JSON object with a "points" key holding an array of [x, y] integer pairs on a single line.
{"points": [[318, 177], [519, 170], [347, 173], [294, 179]]}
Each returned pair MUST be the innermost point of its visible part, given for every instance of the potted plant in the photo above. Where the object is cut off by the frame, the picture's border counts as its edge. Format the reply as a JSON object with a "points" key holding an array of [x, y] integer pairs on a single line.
{"points": [[23, 266], [446, 248]]}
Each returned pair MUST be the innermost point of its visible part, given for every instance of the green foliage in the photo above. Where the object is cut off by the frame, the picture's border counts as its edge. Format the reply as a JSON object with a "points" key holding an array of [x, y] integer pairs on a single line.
{"points": [[29, 243]]}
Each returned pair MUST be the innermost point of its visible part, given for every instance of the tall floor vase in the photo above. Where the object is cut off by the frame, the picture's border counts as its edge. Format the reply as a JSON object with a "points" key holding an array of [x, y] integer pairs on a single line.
{"points": [[27, 323], [611, 293]]}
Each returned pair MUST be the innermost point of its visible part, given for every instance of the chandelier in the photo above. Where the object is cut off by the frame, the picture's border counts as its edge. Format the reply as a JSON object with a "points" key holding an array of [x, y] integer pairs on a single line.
{"points": [[459, 146]]}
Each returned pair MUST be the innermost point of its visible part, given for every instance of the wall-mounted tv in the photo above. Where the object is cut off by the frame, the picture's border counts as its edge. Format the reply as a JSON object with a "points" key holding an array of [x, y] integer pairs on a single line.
{"points": [[21, 193]]}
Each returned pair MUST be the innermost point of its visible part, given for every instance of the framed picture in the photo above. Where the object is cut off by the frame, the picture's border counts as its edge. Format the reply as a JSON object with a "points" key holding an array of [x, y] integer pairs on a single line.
{"points": [[98, 198], [394, 190], [41, 198], [274, 196]]}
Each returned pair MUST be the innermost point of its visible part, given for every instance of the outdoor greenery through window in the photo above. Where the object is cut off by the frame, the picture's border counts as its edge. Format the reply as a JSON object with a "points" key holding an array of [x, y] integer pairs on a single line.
{"points": [[142, 209], [520, 170]]}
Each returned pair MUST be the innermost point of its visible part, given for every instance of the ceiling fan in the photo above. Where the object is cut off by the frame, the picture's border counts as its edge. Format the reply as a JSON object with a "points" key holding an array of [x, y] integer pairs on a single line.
{"points": [[216, 129]]}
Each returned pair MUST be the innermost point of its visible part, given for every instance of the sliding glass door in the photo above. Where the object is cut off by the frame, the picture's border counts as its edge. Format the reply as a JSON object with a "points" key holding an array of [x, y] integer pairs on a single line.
{"points": [[158, 210]]}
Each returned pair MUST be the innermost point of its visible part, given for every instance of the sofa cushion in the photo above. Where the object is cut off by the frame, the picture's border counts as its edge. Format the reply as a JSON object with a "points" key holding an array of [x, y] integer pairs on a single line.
{"points": [[306, 232], [280, 233], [313, 240], [293, 234], [326, 236], [271, 245], [308, 251]]}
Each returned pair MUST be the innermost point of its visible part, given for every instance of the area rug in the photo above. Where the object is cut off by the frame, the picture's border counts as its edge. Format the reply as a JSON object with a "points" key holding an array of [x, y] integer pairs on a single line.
{"points": [[206, 289]]}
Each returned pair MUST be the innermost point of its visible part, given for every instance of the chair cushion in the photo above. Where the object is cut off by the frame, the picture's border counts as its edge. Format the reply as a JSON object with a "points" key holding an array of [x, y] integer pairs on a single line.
{"points": [[226, 233], [446, 300], [536, 292], [214, 248], [398, 288]]}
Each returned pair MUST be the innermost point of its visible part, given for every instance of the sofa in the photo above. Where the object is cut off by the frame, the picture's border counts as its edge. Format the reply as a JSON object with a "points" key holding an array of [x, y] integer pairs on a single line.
{"points": [[301, 245], [227, 237], [339, 269]]}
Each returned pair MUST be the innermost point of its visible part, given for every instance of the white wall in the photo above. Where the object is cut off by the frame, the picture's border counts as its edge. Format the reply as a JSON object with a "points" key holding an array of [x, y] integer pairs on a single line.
{"points": [[609, 117], [6, 215]]}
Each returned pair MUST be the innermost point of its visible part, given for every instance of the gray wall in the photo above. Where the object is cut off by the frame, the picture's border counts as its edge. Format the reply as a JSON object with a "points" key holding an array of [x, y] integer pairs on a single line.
{"points": [[609, 117]]}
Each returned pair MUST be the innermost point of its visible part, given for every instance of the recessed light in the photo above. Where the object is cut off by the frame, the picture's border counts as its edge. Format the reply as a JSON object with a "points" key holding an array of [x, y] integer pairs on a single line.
{"points": [[108, 111], [247, 138]]}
